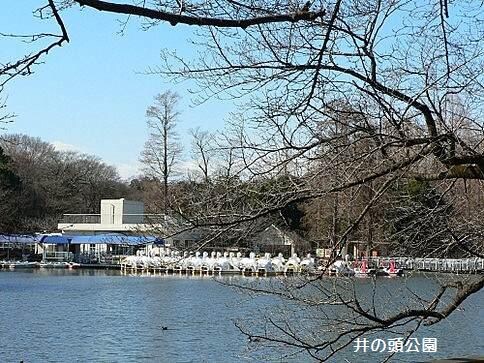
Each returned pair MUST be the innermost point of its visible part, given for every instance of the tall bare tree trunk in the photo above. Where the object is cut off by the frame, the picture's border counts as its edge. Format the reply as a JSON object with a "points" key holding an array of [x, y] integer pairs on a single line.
{"points": [[165, 163], [162, 150], [335, 221]]}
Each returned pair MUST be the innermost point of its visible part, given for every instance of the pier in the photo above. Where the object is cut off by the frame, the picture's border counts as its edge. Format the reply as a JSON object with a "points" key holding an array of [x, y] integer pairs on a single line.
{"points": [[254, 266], [265, 266]]}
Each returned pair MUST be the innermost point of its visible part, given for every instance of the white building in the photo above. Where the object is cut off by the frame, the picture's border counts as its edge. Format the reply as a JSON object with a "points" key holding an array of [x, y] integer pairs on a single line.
{"points": [[126, 217], [117, 215]]}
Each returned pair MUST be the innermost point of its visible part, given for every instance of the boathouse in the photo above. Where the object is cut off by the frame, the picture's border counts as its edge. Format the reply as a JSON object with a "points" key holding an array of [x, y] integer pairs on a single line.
{"points": [[276, 240], [107, 248], [18, 246], [128, 218]]}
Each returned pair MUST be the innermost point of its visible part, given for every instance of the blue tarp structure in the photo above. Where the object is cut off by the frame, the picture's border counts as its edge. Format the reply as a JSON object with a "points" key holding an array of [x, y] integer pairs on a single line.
{"points": [[113, 239], [19, 238], [56, 240]]}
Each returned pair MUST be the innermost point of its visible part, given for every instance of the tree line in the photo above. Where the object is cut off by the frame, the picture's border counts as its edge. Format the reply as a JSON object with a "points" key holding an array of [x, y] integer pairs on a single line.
{"points": [[413, 216], [39, 183]]}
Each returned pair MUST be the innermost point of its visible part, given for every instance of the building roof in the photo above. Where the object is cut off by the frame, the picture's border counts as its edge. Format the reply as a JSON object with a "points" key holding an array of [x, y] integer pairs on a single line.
{"points": [[116, 239], [113, 239]]}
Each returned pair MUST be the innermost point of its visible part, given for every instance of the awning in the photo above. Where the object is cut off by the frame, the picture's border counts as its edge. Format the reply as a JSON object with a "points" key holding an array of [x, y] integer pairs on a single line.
{"points": [[115, 239], [55, 240]]}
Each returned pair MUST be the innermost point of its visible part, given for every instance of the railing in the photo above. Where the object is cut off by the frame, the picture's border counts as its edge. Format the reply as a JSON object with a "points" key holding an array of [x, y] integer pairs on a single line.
{"points": [[57, 256], [100, 258], [13, 245], [433, 264], [115, 218], [81, 218]]}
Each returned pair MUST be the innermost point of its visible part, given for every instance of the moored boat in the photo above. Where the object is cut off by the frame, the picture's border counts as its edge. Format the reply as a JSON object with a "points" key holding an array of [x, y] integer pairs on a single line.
{"points": [[391, 270], [23, 265], [362, 270]]}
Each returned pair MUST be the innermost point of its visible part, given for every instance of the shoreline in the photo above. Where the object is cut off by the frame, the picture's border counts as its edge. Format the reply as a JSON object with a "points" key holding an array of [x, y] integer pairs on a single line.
{"points": [[5, 267]]}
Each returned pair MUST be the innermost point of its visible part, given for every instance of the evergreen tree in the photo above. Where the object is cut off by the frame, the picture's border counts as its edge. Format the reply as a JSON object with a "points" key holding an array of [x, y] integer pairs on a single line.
{"points": [[9, 187]]}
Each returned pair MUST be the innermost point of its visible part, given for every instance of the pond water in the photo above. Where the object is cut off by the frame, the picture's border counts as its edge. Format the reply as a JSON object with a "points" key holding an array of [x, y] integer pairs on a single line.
{"points": [[102, 316]]}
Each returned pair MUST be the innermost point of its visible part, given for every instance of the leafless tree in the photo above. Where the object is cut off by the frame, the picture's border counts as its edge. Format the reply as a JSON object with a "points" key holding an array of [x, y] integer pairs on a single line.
{"points": [[353, 94], [5, 116], [39, 44], [53, 182], [321, 320], [162, 150], [203, 150], [384, 92]]}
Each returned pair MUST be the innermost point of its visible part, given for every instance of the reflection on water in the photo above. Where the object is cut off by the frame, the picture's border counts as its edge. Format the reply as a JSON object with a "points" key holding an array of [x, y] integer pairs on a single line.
{"points": [[102, 316]]}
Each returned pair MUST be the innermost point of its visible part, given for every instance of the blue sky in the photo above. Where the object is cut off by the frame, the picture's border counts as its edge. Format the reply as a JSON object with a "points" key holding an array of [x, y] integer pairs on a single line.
{"points": [[89, 94]]}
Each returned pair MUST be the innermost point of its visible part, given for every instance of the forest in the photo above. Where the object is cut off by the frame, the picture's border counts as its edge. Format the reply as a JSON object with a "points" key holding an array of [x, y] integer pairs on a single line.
{"points": [[416, 217]]}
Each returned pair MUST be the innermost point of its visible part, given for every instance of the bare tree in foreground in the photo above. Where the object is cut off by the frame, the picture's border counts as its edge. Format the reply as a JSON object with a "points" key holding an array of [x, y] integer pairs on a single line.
{"points": [[384, 92], [378, 105]]}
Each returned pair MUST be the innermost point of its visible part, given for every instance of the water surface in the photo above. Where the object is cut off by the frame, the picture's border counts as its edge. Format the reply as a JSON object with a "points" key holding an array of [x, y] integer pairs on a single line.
{"points": [[102, 316]]}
